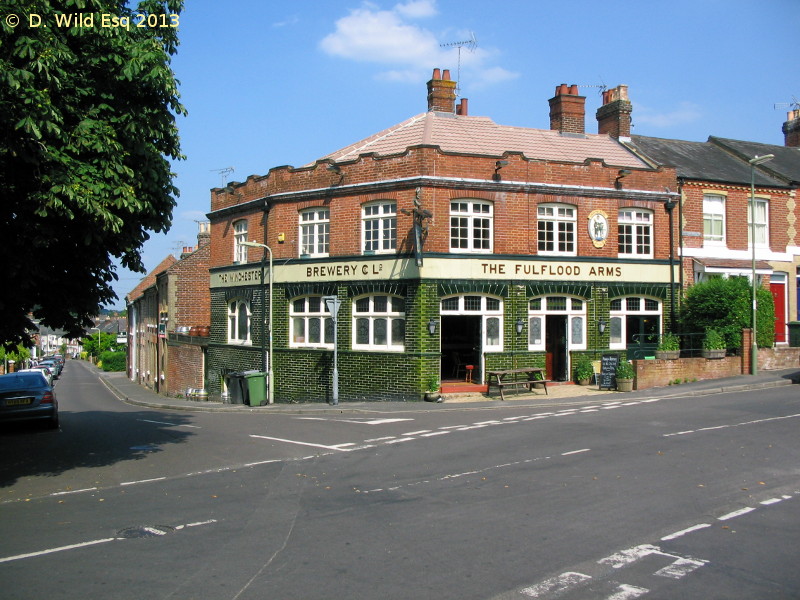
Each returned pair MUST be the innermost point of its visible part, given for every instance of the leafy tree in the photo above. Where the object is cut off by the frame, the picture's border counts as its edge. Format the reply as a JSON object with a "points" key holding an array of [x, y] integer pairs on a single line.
{"points": [[108, 343], [114, 361], [87, 129], [725, 305]]}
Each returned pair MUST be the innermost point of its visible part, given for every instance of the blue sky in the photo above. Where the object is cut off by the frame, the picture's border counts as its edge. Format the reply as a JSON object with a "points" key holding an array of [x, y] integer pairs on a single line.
{"points": [[271, 83]]}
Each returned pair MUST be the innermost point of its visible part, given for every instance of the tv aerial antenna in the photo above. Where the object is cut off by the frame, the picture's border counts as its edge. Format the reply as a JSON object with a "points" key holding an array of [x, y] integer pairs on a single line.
{"points": [[223, 174], [793, 105], [470, 45], [178, 246]]}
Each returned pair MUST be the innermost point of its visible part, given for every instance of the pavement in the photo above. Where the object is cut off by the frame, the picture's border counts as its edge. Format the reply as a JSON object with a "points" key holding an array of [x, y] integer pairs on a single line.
{"points": [[557, 395]]}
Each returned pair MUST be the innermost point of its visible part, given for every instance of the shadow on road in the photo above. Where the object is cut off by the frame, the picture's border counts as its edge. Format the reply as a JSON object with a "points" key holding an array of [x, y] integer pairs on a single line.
{"points": [[85, 439]]}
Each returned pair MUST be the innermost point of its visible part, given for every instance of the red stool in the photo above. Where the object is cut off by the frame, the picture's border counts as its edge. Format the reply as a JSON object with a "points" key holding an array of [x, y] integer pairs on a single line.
{"points": [[469, 373]]}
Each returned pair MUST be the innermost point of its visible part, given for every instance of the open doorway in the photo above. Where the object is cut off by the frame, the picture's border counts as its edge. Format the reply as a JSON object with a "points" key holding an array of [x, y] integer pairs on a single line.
{"points": [[556, 347], [461, 346]]}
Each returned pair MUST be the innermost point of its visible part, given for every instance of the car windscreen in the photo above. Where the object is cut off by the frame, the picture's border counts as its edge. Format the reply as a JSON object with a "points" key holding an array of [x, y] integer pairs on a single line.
{"points": [[22, 381]]}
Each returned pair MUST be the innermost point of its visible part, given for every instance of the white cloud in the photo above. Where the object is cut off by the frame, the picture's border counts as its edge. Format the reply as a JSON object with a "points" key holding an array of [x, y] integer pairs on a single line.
{"points": [[417, 9], [686, 112], [408, 52]]}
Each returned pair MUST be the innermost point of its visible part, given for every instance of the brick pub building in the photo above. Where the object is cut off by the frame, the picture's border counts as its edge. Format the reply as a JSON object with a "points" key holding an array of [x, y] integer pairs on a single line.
{"points": [[450, 241]]}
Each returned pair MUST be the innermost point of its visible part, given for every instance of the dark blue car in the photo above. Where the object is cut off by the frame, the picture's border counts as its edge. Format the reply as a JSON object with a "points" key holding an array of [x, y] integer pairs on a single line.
{"points": [[27, 396]]}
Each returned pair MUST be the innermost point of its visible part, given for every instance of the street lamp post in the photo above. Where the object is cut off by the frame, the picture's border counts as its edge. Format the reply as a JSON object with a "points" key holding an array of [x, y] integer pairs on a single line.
{"points": [[267, 365], [757, 160]]}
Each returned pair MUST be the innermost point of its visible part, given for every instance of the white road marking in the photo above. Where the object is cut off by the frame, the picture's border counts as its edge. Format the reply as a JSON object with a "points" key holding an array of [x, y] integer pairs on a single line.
{"points": [[170, 424], [421, 431], [756, 422], [143, 481], [626, 557], [681, 567], [59, 549], [356, 421], [555, 585], [380, 439], [683, 532], [576, 451], [627, 592], [91, 489], [771, 501], [265, 437], [736, 513], [433, 433]]}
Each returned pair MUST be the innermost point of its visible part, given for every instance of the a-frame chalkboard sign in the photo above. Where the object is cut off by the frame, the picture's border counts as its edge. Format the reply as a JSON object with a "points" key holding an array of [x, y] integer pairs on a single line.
{"points": [[608, 371]]}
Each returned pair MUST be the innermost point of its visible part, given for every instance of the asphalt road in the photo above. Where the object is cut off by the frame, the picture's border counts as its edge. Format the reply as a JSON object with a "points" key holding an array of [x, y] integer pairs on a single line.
{"points": [[693, 497]]}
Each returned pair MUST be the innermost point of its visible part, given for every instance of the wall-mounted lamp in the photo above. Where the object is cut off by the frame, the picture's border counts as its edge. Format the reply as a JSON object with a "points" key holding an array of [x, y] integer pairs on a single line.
{"points": [[621, 174], [497, 166], [229, 189], [432, 326], [601, 326], [520, 325], [334, 168]]}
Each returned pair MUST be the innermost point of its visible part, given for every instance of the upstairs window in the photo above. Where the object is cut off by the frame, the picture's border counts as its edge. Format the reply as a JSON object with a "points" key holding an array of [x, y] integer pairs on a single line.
{"points": [[635, 228], [239, 236], [315, 230], [556, 229], [714, 218], [379, 227], [758, 221], [471, 226]]}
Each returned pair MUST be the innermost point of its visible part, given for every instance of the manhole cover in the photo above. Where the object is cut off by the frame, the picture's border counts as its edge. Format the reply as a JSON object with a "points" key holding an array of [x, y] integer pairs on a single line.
{"points": [[145, 531]]}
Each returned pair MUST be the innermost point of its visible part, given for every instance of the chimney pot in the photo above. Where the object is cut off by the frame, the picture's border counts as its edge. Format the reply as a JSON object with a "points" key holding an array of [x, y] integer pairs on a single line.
{"points": [[562, 89], [442, 93], [573, 90], [446, 75], [463, 107], [436, 74], [568, 110]]}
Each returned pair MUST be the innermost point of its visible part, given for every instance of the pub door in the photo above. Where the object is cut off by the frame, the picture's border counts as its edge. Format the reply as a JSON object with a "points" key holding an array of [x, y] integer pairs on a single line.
{"points": [[555, 346], [461, 346]]}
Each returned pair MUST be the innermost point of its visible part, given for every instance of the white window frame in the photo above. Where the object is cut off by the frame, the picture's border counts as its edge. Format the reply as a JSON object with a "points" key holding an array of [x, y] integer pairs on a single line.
{"points": [[469, 217], [313, 309], [369, 309], [558, 219], [379, 222], [239, 236], [713, 214], [761, 222], [490, 309], [235, 308], [314, 232], [621, 322], [574, 310], [639, 222]]}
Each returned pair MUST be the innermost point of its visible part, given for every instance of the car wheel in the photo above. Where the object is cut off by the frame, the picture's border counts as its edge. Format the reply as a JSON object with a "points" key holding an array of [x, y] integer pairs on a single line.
{"points": [[53, 423]]}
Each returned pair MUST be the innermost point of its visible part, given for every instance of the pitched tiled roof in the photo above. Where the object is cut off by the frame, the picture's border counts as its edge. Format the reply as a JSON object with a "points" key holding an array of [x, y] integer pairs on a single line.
{"points": [[150, 278], [785, 165], [480, 135]]}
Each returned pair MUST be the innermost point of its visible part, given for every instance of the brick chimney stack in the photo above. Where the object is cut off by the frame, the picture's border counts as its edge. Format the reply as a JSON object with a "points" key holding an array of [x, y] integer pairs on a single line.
{"points": [[568, 110], [791, 129], [441, 92], [614, 116], [203, 233]]}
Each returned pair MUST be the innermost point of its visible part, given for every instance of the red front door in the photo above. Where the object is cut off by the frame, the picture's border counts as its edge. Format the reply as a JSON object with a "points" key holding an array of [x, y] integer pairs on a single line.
{"points": [[779, 297]]}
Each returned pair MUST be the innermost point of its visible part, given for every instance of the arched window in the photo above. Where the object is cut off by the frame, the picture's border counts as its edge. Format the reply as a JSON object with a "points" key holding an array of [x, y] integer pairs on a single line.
{"points": [[635, 320], [239, 322], [546, 309], [311, 323], [490, 311], [555, 229], [239, 236], [379, 323], [471, 226]]}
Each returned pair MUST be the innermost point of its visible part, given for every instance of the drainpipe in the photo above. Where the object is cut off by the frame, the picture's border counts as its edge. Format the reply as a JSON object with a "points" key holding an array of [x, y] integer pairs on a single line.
{"points": [[670, 206]]}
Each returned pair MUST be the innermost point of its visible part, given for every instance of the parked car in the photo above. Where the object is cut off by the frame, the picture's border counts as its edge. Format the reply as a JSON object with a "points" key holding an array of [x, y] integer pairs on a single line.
{"points": [[53, 365], [48, 374], [27, 396]]}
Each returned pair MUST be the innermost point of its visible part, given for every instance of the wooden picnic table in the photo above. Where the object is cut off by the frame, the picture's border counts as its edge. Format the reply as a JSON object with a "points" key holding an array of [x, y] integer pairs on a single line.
{"points": [[522, 377]]}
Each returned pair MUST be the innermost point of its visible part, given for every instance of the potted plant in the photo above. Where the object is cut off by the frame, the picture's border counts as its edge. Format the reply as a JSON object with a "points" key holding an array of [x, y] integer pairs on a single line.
{"points": [[538, 380], [669, 347], [625, 375], [432, 393], [713, 344], [583, 370]]}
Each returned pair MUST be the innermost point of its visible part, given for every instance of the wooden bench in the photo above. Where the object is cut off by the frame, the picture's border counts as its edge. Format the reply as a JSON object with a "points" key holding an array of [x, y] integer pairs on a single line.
{"points": [[523, 377]]}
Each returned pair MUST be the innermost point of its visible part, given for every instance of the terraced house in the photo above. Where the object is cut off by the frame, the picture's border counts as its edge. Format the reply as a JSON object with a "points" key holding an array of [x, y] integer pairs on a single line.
{"points": [[453, 244]]}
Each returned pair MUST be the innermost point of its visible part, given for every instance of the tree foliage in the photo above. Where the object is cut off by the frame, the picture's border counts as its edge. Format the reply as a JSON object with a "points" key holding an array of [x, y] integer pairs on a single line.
{"points": [[725, 306], [87, 130], [108, 343]]}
